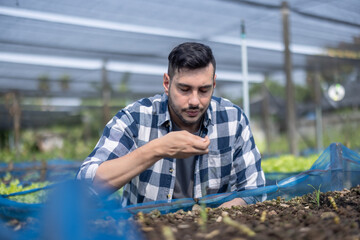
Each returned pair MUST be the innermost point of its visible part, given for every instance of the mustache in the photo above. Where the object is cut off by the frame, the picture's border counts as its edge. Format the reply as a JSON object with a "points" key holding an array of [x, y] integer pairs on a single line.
{"points": [[192, 108]]}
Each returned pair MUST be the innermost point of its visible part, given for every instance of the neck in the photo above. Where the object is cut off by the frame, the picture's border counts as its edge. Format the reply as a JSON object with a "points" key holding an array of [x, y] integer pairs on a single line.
{"points": [[192, 128]]}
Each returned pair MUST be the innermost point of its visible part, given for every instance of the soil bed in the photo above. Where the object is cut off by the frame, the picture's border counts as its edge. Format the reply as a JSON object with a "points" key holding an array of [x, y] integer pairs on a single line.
{"points": [[336, 217]]}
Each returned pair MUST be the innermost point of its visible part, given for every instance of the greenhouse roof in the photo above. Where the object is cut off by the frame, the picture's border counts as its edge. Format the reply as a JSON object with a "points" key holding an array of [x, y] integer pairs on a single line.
{"points": [[74, 38]]}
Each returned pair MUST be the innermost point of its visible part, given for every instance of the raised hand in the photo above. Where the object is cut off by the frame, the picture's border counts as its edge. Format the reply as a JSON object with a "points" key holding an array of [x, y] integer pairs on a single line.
{"points": [[182, 144]]}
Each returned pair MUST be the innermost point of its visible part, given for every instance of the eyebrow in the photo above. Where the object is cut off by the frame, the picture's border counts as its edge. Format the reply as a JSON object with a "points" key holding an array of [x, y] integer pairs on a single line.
{"points": [[186, 85]]}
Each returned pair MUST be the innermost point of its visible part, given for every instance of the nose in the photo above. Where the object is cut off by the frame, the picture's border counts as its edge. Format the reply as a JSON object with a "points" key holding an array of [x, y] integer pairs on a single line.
{"points": [[194, 99]]}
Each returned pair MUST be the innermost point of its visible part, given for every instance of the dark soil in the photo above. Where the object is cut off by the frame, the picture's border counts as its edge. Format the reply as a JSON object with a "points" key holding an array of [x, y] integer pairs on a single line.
{"points": [[298, 218], [336, 217]]}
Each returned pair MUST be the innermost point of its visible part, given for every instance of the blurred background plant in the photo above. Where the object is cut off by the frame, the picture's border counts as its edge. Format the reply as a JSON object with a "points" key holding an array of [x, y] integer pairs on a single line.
{"points": [[59, 88]]}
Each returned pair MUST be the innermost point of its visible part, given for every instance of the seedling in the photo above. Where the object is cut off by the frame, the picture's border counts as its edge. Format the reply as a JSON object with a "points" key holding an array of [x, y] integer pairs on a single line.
{"points": [[263, 216], [141, 217], [168, 233], [203, 217], [241, 227], [333, 203], [317, 194]]}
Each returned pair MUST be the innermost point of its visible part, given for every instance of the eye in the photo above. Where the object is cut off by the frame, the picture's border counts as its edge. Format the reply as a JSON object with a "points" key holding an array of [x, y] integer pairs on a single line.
{"points": [[204, 90], [184, 89]]}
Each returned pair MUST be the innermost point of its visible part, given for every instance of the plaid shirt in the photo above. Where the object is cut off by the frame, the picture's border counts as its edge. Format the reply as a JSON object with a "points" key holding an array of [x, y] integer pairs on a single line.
{"points": [[232, 164]]}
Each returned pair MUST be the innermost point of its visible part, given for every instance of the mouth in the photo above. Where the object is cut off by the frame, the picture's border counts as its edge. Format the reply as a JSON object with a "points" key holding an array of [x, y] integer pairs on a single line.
{"points": [[192, 113]]}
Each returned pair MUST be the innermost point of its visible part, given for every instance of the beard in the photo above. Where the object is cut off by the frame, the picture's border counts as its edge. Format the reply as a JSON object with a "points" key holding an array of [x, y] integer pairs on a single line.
{"points": [[178, 112]]}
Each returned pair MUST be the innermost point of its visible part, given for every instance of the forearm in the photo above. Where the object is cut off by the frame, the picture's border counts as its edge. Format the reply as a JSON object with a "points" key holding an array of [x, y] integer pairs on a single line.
{"points": [[114, 174]]}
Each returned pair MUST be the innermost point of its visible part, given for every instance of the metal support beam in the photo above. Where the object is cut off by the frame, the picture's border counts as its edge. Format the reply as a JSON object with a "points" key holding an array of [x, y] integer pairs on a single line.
{"points": [[244, 63], [318, 113]]}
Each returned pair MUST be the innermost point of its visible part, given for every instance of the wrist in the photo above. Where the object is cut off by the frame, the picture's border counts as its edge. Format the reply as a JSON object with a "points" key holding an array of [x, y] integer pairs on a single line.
{"points": [[155, 149]]}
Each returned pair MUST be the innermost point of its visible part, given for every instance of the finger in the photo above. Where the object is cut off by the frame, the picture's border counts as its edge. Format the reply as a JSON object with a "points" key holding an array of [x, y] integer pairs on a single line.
{"points": [[202, 139], [205, 141], [201, 146]]}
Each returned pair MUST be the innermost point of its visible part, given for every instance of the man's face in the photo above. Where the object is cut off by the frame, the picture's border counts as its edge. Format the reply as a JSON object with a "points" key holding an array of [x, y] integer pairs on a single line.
{"points": [[189, 94]]}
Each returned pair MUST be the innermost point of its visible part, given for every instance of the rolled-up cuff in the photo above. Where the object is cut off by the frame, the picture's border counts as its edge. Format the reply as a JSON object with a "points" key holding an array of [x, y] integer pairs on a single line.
{"points": [[250, 200]]}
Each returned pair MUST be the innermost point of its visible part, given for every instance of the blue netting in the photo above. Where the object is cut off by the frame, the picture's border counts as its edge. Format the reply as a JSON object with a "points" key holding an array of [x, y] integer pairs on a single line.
{"points": [[337, 167], [54, 170], [74, 212], [71, 212]]}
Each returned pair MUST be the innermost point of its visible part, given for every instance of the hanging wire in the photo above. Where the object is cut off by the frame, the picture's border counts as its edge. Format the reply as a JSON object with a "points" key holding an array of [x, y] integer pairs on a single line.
{"points": [[309, 4], [348, 7]]}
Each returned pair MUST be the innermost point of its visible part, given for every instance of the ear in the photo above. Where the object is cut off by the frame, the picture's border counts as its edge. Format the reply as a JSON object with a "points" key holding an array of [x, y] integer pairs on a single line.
{"points": [[214, 82], [166, 83]]}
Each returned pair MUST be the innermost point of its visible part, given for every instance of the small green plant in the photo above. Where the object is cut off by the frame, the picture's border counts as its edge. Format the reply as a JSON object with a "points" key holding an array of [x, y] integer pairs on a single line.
{"points": [[333, 203], [9, 185], [242, 227], [168, 233], [316, 194], [203, 217]]}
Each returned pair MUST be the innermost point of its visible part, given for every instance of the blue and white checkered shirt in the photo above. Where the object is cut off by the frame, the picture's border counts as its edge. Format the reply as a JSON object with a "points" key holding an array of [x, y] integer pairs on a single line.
{"points": [[232, 164]]}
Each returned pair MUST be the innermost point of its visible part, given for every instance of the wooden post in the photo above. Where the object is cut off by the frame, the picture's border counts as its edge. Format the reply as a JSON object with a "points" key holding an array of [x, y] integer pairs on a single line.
{"points": [[43, 170], [17, 122], [265, 113], [12, 102], [290, 93], [105, 94]]}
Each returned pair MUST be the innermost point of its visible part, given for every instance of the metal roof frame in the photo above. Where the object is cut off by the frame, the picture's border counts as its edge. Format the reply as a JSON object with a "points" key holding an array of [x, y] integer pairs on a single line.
{"points": [[135, 37]]}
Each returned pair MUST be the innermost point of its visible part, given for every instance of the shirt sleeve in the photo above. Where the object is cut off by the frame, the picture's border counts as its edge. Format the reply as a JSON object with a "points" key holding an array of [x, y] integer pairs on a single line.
{"points": [[247, 172], [117, 140]]}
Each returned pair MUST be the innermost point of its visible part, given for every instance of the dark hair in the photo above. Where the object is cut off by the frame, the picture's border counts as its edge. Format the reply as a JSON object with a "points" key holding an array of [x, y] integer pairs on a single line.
{"points": [[190, 55]]}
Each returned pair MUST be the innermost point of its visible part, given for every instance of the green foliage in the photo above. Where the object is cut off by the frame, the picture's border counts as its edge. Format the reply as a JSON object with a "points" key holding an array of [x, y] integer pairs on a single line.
{"points": [[302, 93], [65, 82], [342, 132], [75, 146], [345, 132], [10, 185], [44, 82], [277, 145], [288, 163], [203, 217], [124, 81]]}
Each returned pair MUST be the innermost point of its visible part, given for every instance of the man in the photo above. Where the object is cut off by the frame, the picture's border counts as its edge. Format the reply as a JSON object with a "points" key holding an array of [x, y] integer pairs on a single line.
{"points": [[183, 143]]}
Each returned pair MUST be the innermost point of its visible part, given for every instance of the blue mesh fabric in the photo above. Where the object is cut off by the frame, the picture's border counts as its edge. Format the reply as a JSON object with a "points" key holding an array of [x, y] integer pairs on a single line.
{"points": [[74, 212]]}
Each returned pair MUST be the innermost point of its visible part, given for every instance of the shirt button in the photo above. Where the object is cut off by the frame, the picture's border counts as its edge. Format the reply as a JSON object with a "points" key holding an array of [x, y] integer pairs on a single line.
{"points": [[171, 170], [169, 196], [167, 124]]}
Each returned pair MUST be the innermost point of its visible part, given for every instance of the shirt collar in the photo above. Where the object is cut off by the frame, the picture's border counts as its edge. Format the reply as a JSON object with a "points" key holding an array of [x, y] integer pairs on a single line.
{"points": [[164, 114], [208, 115]]}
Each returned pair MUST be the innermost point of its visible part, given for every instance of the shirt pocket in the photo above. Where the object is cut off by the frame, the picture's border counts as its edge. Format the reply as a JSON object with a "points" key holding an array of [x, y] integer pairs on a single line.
{"points": [[219, 166]]}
